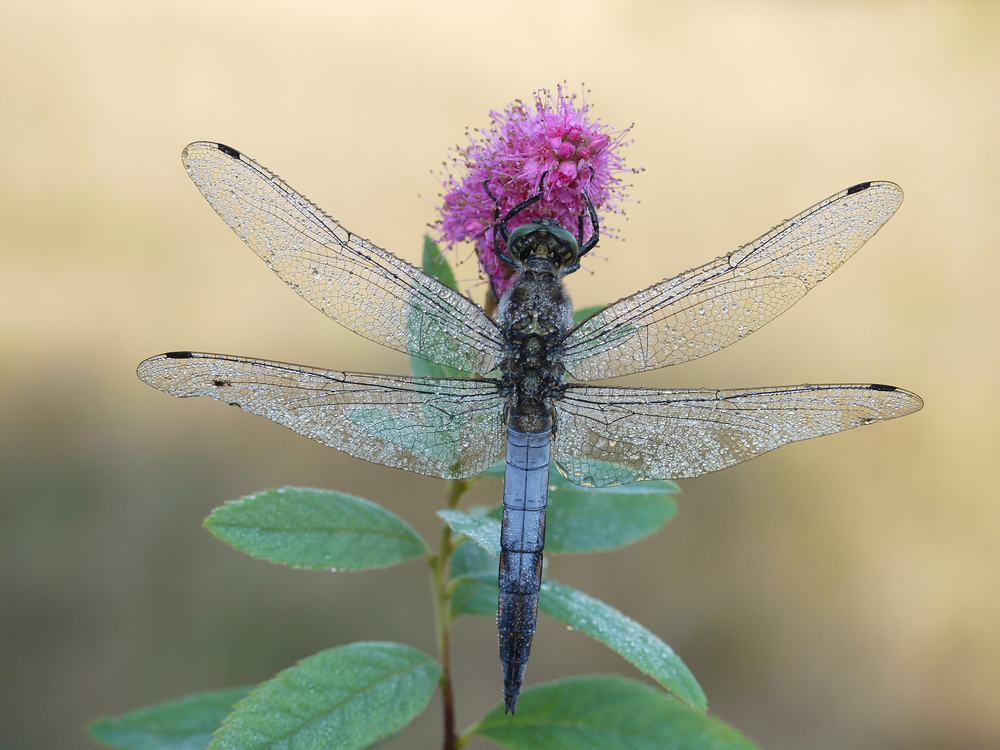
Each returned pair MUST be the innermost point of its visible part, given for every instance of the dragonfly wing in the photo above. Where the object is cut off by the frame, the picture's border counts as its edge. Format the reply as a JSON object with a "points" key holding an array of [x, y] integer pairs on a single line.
{"points": [[444, 428], [610, 436], [363, 287], [708, 308]]}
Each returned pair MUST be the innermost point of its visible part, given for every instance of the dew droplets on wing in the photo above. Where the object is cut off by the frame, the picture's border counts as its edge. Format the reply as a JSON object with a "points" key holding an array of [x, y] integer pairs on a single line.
{"points": [[456, 428]]}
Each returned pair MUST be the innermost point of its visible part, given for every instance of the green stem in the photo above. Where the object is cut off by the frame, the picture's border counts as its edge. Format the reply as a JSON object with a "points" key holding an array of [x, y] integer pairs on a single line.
{"points": [[441, 590]]}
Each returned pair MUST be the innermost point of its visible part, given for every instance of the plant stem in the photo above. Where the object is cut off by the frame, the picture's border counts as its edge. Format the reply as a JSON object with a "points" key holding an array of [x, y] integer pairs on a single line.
{"points": [[439, 564]]}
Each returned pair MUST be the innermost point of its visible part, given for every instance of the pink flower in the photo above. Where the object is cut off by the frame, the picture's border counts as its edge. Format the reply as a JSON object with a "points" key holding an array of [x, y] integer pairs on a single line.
{"points": [[555, 139]]}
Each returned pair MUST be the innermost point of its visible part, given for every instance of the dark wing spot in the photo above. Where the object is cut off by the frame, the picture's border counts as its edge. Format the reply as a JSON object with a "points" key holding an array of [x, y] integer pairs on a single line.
{"points": [[178, 355], [880, 387], [234, 403], [220, 383], [857, 189], [228, 150]]}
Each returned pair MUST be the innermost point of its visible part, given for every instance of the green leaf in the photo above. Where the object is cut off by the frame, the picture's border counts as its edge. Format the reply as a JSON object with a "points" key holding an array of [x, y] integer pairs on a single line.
{"points": [[184, 724], [476, 594], [581, 519], [470, 559], [623, 635], [665, 486], [480, 529], [422, 435], [556, 479], [585, 519], [347, 697], [497, 470], [585, 312], [610, 713], [474, 572], [315, 529], [434, 264]]}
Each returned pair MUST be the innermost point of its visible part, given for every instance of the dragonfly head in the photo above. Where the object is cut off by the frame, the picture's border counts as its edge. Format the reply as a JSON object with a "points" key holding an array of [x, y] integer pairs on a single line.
{"points": [[543, 243]]}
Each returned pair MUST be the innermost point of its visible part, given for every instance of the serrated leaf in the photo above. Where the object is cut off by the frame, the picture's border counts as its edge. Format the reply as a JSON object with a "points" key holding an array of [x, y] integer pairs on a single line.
{"points": [[585, 312], [624, 636], [434, 264], [348, 697], [482, 530], [609, 713], [315, 529], [183, 724], [474, 572]]}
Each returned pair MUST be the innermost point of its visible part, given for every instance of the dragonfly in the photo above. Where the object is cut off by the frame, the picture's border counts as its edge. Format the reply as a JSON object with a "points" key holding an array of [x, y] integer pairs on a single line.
{"points": [[526, 390]]}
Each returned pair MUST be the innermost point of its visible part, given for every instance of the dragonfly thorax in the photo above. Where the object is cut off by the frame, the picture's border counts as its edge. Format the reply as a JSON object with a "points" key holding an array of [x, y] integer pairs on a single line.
{"points": [[535, 315], [543, 244], [537, 305]]}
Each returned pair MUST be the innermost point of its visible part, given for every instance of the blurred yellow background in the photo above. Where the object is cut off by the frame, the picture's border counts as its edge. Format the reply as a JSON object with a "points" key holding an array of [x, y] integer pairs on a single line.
{"points": [[840, 593]]}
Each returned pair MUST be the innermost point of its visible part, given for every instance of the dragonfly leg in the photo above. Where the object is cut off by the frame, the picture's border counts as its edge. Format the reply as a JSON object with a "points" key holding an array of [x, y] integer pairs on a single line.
{"points": [[501, 224], [586, 247]]}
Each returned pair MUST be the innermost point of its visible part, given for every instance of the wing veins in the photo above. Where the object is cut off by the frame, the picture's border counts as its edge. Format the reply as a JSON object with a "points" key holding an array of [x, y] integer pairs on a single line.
{"points": [[449, 428], [363, 287], [729, 297], [606, 436]]}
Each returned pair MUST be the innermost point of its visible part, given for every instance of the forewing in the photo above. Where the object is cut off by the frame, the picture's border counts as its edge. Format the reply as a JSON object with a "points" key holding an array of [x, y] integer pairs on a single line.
{"points": [[708, 308], [609, 436], [440, 427], [363, 287]]}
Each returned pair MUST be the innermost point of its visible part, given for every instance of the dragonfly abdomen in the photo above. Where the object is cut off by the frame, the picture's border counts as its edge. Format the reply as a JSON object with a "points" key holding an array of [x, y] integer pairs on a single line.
{"points": [[522, 538]]}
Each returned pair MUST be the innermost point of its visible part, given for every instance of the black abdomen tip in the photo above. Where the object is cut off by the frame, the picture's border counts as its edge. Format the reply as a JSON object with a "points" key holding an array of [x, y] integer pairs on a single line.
{"points": [[509, 702], [228, 150], [858, 188], [178, 355]]}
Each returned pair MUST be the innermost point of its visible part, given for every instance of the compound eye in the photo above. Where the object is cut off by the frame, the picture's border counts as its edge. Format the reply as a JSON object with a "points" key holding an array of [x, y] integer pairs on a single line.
{"points": [[569, 248], [544, 239], [522, 231]]}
